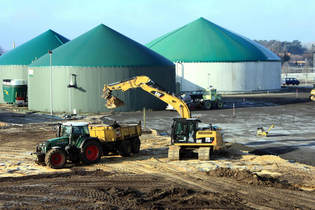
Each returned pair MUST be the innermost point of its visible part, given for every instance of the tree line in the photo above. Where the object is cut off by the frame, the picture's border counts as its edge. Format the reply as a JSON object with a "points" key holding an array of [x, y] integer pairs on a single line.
{"points": [[295, 47], [288, 50]]}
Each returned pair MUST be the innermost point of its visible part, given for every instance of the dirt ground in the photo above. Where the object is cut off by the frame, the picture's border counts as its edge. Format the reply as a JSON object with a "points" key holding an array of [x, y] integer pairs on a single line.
{"points": [[239, 177], [235, 179]]}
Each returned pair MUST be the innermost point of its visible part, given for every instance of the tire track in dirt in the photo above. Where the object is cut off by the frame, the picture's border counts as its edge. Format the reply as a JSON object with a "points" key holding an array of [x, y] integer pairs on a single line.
{"points": [[270, 196], [190, 181], [99, 189]]}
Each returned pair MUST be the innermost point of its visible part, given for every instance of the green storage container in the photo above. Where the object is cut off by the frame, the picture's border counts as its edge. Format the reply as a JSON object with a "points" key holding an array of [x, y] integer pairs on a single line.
{"points": [[14, 89]]}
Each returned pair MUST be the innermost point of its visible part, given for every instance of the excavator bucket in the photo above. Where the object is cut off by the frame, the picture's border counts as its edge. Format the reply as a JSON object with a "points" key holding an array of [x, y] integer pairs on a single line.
{"points": [[113, 102]]}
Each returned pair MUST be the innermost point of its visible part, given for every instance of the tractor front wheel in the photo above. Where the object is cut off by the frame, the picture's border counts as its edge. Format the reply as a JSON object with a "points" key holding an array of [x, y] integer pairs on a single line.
{"points": [[55, 158], [91, 152]]}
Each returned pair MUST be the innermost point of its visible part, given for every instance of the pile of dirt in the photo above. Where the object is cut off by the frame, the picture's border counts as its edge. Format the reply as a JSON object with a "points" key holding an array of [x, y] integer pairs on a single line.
{"points": [[175, 197], [246, 176]]}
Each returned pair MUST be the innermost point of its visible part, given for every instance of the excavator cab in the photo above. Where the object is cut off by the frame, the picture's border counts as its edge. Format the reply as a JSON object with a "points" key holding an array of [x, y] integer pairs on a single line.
{"points": [[189, 134], [184, 130]]}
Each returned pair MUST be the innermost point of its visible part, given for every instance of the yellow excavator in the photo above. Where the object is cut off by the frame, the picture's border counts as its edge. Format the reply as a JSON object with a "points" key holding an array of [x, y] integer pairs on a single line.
{"points": [[187, 133]]}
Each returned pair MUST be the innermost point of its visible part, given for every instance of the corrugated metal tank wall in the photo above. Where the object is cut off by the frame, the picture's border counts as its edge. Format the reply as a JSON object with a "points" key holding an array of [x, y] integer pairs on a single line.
{"points": [[11, 72], [229, 77], [90, 82]]}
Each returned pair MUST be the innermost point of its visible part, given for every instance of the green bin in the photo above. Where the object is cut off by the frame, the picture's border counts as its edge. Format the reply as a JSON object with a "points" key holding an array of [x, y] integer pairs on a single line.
{"points": [[13, 89]]}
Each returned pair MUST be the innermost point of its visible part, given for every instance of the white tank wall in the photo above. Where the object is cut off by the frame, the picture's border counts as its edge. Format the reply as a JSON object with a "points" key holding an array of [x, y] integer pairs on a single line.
{"points": [[229, 77]]}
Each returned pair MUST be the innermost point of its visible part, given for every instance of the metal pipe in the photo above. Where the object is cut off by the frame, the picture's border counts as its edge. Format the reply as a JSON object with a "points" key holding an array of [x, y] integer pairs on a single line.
{"points": [[144, 118], [70, 105], [70, 100], [51, 96], [181, 81]]}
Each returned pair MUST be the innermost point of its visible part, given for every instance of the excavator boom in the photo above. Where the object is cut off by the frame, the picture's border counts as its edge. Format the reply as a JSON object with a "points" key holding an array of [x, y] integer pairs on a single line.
{"points": [[146, 84]]}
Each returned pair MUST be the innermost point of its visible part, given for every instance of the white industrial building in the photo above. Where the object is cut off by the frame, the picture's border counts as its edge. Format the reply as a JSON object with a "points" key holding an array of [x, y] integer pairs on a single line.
{"points": [[206, 55]]}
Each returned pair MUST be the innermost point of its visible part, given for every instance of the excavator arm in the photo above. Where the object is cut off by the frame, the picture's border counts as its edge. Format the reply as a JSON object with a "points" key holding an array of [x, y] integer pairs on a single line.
{"points": [[146, 84], [272, 126]]}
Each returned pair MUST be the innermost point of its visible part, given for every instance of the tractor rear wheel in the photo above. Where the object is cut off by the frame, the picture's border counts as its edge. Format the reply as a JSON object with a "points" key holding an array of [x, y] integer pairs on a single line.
{"points": [[55, 158], [135, 145], [124, 148], [91, 152]]}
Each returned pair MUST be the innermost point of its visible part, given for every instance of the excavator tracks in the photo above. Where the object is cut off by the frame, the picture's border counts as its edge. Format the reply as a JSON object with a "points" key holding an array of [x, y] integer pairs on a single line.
{"points": [[204, 153], [173, 152]]}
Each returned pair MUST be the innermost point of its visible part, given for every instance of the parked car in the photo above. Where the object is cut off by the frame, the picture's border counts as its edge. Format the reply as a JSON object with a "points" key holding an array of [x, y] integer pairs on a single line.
{"points": [[291, 81]]}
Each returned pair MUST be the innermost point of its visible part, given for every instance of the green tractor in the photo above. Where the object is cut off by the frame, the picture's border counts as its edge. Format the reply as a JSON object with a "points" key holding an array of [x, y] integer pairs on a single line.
{"points": [[73, 143], [212, 99], [204, 99]]}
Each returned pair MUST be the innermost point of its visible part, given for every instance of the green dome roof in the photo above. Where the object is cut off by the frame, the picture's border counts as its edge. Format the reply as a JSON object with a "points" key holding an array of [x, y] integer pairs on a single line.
{"points": [[204, 41], [102, 46], [33, 49]]}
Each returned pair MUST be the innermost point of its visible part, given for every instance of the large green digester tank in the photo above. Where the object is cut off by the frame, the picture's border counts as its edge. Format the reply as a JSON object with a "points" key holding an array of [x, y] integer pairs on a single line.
{"points": [[13, 90]]}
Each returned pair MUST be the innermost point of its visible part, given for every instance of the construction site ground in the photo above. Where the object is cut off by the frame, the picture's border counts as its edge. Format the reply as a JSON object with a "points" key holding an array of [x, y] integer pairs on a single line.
{"points": [[275, 172]]}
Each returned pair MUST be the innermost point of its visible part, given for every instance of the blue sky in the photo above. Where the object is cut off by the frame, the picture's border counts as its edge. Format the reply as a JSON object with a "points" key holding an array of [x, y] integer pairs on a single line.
{"points": [[145, 20]]}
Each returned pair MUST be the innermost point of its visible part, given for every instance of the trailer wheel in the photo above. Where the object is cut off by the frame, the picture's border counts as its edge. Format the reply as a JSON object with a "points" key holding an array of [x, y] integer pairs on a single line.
{"points": [[124, 148], [55, 158], [91, 152], [135, 145]]}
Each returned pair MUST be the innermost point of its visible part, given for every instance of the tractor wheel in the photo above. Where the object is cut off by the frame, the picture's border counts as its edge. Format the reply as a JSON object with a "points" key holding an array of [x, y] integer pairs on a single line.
{"points": [[40, 159], [91, 152], [55, 158], [207, 105], [135, 145], [124, 148]]}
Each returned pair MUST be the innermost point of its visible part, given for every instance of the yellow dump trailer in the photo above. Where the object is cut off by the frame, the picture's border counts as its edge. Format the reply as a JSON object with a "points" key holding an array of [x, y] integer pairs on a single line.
{"points": [[108, 133], [123, 139]]}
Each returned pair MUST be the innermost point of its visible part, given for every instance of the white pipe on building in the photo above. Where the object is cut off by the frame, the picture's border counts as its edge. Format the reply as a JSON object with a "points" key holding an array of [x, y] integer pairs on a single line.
{"points": [[51, 80]]}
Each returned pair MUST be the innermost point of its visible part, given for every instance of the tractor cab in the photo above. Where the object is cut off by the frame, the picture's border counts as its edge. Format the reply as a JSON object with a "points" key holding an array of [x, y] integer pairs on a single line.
{"points": [[73, 128]]}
